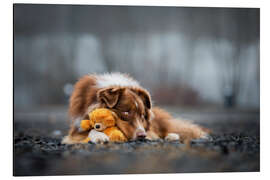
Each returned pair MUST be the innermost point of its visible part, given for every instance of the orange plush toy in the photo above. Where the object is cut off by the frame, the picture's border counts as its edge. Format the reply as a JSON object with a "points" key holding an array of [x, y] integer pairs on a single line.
{"points": [[103, 120]]}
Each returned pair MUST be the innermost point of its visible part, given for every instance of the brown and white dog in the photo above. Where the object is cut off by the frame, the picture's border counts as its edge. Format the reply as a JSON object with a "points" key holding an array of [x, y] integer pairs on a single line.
{"points": [[132, 103]]}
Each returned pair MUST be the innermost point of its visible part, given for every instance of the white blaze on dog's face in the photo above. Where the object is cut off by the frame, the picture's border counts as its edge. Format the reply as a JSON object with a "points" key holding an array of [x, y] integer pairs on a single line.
{"points": [[133, 107]]}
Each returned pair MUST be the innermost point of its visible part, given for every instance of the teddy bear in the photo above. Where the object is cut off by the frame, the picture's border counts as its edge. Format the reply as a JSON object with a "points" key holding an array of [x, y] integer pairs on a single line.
{"points": [[103, 120]]}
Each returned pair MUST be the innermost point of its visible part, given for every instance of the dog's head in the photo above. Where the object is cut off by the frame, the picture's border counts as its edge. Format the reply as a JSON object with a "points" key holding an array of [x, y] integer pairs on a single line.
{"points": [[133, 107]]}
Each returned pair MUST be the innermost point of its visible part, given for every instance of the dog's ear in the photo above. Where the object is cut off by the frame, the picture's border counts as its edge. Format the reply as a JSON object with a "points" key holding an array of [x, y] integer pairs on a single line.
{"points": [[110, 96], [145, 97]]}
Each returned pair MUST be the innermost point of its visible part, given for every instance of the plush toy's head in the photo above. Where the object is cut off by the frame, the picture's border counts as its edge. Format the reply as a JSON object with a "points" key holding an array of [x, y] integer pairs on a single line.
{"points": [[102, 118]]}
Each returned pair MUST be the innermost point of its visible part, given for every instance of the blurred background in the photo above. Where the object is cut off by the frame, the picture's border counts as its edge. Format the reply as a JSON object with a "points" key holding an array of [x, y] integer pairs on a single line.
{"points": [[201, 64], [188, 58]]}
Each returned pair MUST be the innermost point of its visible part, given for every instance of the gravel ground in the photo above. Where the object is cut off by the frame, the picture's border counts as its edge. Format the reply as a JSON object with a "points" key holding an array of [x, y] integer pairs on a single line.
{"points": [[235, 147]]}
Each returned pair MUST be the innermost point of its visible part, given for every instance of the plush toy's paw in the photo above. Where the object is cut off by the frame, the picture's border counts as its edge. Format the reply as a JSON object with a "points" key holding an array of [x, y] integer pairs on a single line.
{"points": [[98, 137], [172, 137], [115, 134], [118, 137]]}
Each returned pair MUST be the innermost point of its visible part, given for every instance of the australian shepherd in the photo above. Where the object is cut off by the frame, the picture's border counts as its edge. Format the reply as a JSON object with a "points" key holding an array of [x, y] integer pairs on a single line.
{"points": [[132, 103]]}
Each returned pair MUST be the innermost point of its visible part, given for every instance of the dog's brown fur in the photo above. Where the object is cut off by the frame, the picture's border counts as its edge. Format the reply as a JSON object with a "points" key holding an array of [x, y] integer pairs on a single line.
{"points": [[133, 106]]}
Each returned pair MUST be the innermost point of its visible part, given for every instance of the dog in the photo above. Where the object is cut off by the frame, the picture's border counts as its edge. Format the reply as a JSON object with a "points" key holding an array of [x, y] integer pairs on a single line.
{"points": [[132, 104]]}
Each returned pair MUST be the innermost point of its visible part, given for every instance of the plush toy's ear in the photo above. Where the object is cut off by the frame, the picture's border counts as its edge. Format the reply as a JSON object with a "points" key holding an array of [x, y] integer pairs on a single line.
{"points": [[109, 96], [92, 123], [85, 125], [145, 96]]}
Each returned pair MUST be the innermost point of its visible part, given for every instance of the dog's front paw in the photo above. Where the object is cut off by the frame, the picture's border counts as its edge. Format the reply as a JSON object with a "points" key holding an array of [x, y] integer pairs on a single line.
{"points": [[172, 137], [98, 137]]}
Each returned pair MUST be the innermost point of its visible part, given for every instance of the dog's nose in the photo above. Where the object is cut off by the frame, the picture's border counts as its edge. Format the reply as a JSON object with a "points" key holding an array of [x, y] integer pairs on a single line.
{"points": [[141, 135]]}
